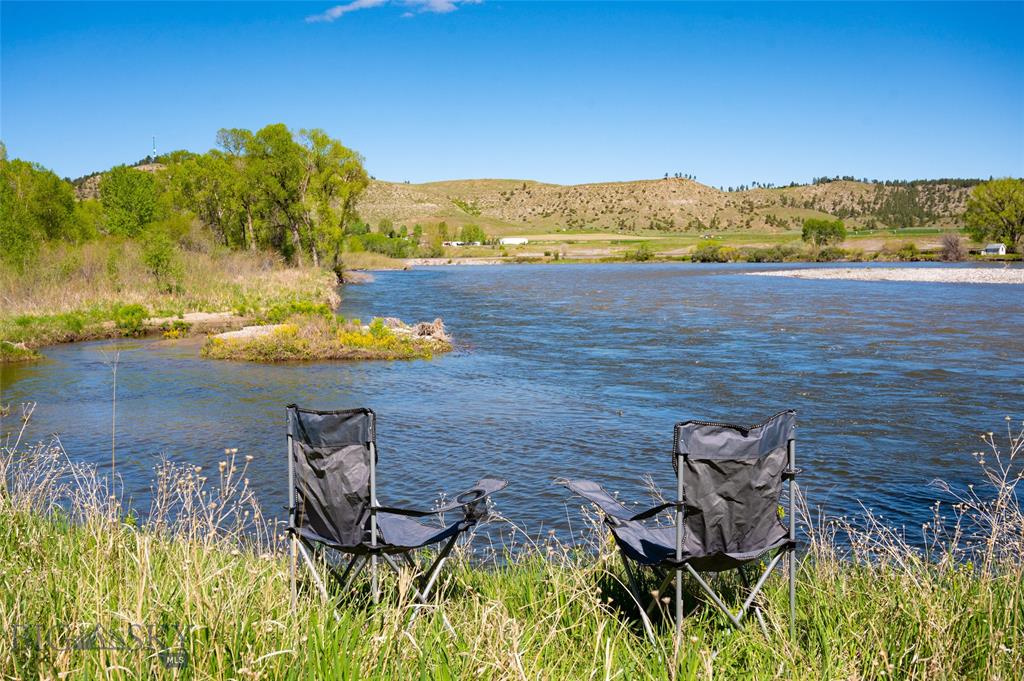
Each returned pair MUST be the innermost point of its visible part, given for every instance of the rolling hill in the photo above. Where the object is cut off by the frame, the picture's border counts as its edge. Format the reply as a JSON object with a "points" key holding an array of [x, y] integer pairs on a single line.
{"points": [[669, 205]]}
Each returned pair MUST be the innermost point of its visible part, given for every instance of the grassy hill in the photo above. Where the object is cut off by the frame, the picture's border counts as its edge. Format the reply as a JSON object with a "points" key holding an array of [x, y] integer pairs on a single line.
{"points": [[667, 205]]}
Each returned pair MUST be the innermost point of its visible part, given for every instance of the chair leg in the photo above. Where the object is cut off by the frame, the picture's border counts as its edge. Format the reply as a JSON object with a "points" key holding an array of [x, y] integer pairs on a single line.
{"points": [[679, 602], [316, 579], [720, 604], [634, 591], [754, 606], [714, 596], [292, 558], [429, 580], [373, 579], [346, 579], [792, 594]]}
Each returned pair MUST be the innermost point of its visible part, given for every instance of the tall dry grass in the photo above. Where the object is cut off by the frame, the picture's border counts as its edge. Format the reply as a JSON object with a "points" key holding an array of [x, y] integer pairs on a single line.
{"points": [[76, 292], [872, 603]]}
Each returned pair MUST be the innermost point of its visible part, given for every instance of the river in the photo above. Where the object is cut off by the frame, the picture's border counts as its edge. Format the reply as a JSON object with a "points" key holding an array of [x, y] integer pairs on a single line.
{"points": [[581, 370]]}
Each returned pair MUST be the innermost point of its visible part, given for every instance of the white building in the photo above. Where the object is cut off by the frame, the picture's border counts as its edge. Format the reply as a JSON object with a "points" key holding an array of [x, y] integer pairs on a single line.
{"points": [[994, 249], [513, 241]]}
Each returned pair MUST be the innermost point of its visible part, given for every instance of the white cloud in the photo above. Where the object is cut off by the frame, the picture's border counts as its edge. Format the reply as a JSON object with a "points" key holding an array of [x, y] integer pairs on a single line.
{"points": [[338, 11], [414, 7]]}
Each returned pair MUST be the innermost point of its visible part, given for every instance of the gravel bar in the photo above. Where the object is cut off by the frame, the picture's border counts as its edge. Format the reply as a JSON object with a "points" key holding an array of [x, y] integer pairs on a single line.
{"points": [[947, 275]]}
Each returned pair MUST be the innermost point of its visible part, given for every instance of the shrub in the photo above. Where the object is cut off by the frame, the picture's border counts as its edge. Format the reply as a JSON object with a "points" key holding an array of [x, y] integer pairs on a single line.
{"points": [[178, 329], [129, 319], [710, 253], [953, 248], [830, 254], [159, 257], [908, 252], [282, 311], [778, 253], [394, 247], [642, 253]]}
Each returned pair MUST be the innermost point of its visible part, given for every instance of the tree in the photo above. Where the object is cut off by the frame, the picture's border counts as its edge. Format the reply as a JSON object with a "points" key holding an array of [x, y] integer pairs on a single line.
{"points": [[129, 199], [953, 248], [35, 205], [204, 185], [336, 179], [995, 212], [237, 144], [472, 233], [823, 232]]}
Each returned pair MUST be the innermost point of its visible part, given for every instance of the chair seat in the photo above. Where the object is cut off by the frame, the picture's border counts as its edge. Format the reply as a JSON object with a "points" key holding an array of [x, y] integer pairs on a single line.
{"points": [[402, 532], [656, 546], [397, 534]]}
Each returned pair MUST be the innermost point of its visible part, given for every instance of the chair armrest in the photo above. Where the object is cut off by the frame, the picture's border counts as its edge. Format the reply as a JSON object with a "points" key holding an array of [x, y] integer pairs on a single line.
{"points": [[598, 495], [467, 499], [651, 512]]}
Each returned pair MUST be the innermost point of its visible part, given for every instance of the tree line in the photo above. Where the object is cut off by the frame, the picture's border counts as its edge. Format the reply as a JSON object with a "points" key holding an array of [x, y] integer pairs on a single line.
{"points": [[292, 192]]}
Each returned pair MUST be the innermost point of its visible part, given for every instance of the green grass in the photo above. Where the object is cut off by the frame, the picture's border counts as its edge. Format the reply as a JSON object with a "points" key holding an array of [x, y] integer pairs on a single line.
{"points": [[322, 336], [11, 353], [102, 290], [204, 560]]}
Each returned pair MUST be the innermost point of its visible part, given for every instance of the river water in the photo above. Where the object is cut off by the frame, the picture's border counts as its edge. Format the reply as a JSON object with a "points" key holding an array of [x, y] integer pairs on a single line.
{"points": [[581, 370]]}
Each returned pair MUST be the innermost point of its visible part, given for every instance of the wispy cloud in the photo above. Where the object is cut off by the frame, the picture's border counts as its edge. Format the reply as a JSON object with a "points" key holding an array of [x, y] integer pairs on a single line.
{"points": [[413, 7]]}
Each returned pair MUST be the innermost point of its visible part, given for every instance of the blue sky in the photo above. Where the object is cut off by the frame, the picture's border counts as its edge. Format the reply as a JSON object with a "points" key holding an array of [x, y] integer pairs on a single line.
{"points": [[561, 92]]}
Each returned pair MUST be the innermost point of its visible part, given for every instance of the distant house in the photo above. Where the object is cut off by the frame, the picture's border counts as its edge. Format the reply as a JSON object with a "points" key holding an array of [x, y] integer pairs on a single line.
{"points": [[994, 249], [513, 241]]}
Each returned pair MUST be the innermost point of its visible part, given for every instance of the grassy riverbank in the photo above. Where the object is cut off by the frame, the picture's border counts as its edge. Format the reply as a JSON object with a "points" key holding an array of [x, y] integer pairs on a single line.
{"points": [[105, 289], [205, 564]]}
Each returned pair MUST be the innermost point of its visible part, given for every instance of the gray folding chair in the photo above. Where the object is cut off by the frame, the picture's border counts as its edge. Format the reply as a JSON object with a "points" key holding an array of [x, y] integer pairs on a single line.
{"points": [[729, 484], [332, 500]]}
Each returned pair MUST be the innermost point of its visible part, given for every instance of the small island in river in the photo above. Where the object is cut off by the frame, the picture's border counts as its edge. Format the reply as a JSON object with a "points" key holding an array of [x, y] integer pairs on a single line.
{"points": [[320, 337]]}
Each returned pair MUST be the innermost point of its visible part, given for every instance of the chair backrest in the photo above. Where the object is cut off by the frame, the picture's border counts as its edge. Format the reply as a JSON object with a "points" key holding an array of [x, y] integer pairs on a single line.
{"points": [[732, 482], [331, 466]]}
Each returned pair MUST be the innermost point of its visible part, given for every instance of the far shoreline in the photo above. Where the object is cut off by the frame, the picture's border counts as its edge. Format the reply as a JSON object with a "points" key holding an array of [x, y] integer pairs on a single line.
{"points": [[942, 275]]}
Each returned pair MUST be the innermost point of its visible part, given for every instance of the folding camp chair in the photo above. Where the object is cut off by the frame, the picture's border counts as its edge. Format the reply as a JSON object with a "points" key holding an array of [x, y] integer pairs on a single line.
{"points": [[729, 483], [332, 500]]}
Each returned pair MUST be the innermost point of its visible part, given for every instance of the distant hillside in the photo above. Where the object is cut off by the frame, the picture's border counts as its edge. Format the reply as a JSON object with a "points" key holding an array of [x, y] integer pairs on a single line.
{"points": [[669, 205], [505, 206], [88, 186]]}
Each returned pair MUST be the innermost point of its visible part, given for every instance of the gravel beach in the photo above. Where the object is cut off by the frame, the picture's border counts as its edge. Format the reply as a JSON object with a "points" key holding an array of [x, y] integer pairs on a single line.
{"points": [[949, 275]]}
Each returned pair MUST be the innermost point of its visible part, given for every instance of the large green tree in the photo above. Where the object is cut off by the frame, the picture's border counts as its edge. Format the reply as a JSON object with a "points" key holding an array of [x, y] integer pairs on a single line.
{"points": [[335, 178], [472, 233], [295, 193], [823, 232], [35, 205], [995, 212], [129, 199]]}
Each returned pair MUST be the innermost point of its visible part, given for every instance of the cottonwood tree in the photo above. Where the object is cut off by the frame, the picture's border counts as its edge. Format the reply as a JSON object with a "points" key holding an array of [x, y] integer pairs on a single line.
{"points": [[294, 193], [823, 232], [995, 211], [35, 205], [129, 199], [335, 178]]}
